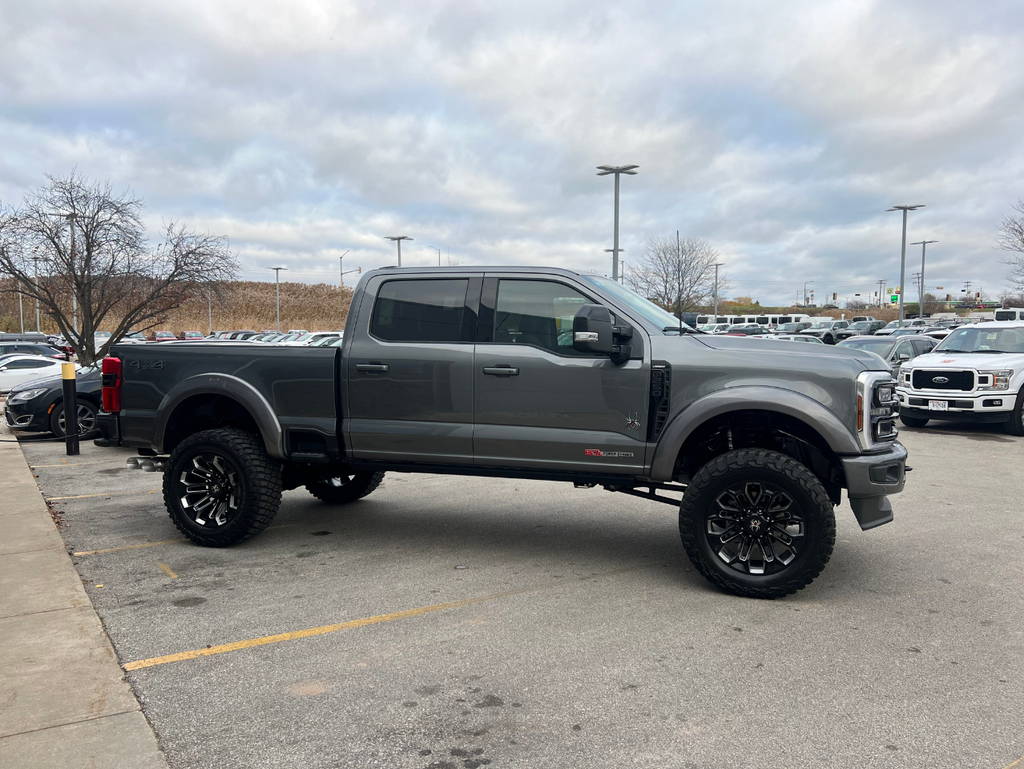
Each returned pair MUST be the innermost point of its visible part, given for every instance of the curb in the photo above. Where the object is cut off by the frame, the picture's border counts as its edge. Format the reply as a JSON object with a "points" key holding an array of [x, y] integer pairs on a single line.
{"points": [[64, 701]]}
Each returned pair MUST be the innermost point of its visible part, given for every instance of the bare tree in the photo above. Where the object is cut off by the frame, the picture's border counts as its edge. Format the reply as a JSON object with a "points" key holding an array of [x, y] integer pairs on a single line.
{"points": [[77, 243], [677, 274], [1011, 238]]}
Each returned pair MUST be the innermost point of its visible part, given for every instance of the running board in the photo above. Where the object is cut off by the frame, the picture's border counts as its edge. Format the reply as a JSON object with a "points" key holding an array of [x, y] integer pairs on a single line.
{"points": [[652, 491]]}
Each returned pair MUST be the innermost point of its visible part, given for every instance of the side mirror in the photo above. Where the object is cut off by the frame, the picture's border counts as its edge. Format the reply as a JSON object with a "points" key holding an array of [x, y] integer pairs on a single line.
{"points": [[592, 329], [902, 357]]}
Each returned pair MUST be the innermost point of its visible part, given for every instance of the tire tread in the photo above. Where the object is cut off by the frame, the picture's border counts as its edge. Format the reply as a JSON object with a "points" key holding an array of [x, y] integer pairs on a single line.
{"points": [[762, 459]]}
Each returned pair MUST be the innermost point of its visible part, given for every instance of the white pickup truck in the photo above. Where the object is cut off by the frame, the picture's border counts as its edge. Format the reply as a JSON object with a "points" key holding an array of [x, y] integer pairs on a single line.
{"points": [[976, 374]]}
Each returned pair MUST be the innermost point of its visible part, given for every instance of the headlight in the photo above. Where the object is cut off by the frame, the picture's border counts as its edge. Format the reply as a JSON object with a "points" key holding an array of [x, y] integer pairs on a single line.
{"points": [[1000, 380], [885, 394], [27, 395]]}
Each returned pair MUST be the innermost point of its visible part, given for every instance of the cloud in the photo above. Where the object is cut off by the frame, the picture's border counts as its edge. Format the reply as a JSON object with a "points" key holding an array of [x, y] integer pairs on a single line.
{"points": [[780, 132]]}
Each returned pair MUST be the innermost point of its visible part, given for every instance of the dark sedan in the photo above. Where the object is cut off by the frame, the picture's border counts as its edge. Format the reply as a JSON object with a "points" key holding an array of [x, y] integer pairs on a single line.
{"points": [[860, 328], [30, 348], [38, 406], [894, 351]]}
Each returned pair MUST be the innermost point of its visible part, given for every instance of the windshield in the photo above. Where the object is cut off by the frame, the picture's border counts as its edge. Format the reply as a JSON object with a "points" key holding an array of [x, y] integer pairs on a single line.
{"points": [[823, 323], [983, 340], [643, 307], [858, 326], [880, 345], [304, 337]]}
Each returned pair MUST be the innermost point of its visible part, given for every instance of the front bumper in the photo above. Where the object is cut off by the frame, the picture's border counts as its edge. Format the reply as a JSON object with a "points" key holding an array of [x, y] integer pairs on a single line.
{"points": [[870, 479], [27, 416], [987, 406]]}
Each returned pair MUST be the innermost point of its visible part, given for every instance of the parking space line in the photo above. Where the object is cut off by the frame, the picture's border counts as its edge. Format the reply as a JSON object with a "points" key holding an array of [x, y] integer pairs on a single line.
{"points": [[357, 623], [130, 547], [78, 464], [160, 542], [167, 570], [1015, 763], [109, 494]]}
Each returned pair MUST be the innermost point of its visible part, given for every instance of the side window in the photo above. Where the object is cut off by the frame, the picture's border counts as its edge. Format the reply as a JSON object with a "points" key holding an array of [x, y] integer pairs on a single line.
{"points": [[903, 348], [537, 313], [763, 320], [16, 364], [921, 346], [421, 311]]}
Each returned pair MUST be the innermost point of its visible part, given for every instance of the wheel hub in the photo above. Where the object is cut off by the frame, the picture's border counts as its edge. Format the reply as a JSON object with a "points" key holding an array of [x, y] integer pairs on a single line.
{"points": [[210, 490], [755, 528]]}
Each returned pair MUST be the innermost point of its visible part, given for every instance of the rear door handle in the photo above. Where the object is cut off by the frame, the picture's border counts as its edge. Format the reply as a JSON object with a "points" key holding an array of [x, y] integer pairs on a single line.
{"points": [[501, 370], [372, 367]]}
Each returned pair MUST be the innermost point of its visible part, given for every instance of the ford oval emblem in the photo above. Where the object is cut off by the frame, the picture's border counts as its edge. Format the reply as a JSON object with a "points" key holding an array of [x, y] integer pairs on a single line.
{"points": [[940, 379]]}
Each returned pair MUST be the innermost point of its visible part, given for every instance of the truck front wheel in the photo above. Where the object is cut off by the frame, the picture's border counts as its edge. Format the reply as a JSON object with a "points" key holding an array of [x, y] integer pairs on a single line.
{"points": [[1016, 424], [344, 488], [757, 523], [221, 487]]}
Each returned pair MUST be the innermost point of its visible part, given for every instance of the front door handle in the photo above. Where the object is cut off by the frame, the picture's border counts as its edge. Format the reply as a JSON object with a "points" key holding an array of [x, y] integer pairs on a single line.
{"points": [[372, 367], [501, 370]]}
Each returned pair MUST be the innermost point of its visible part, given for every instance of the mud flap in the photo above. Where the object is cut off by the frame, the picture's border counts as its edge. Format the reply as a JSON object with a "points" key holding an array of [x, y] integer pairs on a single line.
{"points": [[871, 511]]}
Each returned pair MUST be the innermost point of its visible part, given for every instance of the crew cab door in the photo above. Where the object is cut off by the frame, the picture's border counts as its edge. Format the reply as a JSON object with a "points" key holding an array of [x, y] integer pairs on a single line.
{"points": [[541, 404], [409, 394]]}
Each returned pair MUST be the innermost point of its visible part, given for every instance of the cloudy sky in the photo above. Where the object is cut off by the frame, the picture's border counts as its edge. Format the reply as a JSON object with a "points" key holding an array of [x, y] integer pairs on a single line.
{"points": [[778, 131]]}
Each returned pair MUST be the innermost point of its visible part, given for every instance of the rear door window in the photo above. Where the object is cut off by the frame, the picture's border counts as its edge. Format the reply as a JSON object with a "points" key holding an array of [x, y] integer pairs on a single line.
{"points": [[421, 311]]}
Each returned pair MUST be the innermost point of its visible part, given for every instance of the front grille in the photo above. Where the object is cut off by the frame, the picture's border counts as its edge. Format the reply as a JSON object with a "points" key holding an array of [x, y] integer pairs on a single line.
{"points": [[955, 380]]}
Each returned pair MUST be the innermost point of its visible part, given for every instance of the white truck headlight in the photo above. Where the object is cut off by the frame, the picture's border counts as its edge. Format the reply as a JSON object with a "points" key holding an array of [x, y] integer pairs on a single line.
{"points": [[1000, 380]]}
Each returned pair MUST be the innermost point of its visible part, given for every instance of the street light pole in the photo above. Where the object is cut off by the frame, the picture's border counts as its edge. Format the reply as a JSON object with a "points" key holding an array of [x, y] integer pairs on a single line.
{"points": [[341, 269], [903, 249], [435, 248], [806, 284], [717, 265], [622, 265], [617, 170], [923, 244], [35, 266], [21, 312], [277, 277], [398, 241]]}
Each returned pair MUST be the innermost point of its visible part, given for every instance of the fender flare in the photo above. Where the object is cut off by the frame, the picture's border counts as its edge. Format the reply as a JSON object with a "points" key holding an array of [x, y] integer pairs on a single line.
{"points": [[232, 387], [748, 398]]}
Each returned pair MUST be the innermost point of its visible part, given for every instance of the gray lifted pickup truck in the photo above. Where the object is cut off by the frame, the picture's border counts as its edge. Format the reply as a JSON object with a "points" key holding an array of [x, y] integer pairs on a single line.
{"points": [[525, 373]]}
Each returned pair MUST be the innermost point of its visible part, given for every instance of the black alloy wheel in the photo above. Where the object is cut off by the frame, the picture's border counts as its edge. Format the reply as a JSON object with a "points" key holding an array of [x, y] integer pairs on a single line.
{"points": [[221, 487], [755, 528], [86, 420], [757, 523], [342, 489]]}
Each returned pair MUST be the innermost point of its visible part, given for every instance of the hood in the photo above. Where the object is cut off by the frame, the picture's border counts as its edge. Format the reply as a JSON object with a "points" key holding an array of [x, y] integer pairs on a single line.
{"points": [[861, 360], [975, 360], [87, 379]]}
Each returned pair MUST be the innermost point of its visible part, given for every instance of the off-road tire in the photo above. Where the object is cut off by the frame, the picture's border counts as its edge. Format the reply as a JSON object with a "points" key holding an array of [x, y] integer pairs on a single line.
{"points": [[828, 339], [258, 483], [910, 421], [774, 470], [1016, 424], [345, 489], [58, 412]]}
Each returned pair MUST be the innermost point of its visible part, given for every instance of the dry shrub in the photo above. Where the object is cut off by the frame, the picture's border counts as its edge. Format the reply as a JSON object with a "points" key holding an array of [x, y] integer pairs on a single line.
{"points": [[236, 305]]}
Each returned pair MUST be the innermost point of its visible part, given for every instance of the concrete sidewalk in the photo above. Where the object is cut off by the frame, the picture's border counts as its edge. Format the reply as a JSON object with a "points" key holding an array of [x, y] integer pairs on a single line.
{"points": [[63, 698]]}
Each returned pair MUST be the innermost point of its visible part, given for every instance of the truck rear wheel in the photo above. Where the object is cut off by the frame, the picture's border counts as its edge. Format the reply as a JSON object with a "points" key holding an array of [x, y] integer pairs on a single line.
{"points": [[221, 487], [757, 523], [345, 488]]}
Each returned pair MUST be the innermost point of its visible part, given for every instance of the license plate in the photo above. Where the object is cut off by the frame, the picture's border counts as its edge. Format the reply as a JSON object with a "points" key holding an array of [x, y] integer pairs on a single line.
{"points": [[938, 405]]}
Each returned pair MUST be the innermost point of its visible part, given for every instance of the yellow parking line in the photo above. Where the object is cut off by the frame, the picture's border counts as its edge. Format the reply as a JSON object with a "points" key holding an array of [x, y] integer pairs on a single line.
{"points": [[78, 464], [161, 542], [356, 623], [129, 547], [109, 494], [167, 570], [1015, 763]]}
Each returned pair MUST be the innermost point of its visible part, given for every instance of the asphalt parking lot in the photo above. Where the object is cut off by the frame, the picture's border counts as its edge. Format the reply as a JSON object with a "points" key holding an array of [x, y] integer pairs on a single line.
{"points": [[458, 622]]}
